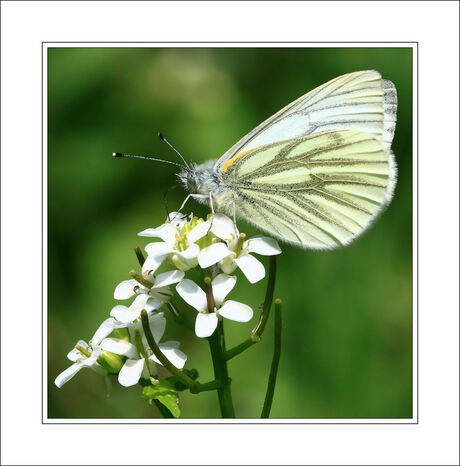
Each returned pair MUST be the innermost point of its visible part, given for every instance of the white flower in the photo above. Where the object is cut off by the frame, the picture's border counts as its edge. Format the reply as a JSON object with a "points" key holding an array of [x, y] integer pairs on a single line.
{"points": [[175, 245], [207, 319], [126, 315], [240, 249], [159, 290], [180, 245], [130, 317], [134, 367], [85, 355]]}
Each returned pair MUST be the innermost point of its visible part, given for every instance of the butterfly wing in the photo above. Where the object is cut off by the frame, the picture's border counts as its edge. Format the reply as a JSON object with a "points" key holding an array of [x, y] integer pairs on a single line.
{"points": [[317, 191], [361, 101]]}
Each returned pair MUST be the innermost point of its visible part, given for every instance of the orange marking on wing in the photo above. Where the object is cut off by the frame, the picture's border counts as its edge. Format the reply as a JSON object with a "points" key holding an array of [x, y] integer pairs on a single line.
{"points": [[237, 156]]}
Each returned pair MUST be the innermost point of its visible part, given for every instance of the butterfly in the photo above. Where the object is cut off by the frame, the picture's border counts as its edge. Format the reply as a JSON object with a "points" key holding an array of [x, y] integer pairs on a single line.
{"points": [[317, 173]]}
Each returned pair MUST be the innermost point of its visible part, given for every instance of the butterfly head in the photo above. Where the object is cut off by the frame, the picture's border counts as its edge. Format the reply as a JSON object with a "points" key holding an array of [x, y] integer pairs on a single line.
{"points": [[199, 179], [187, 178]]}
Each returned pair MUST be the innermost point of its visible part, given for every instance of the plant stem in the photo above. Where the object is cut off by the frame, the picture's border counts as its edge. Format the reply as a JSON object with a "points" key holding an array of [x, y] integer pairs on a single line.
{"points": [[208, 386], [275, 362], [217, 346], [184, 378], [231, 353], [260, 327], [256, 333]]}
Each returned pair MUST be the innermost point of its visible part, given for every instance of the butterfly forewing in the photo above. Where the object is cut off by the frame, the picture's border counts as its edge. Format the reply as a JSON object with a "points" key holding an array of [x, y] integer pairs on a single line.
{"points": [[317, 191], [360, 101]]}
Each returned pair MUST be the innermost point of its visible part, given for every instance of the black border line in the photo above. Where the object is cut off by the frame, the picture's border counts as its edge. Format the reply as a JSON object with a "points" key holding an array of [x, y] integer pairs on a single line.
{"points": [[415, 47]]}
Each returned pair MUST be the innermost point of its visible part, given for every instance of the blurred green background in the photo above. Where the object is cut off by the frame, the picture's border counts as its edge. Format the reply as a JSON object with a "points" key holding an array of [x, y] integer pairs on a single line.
{"points": [[347, 329]]}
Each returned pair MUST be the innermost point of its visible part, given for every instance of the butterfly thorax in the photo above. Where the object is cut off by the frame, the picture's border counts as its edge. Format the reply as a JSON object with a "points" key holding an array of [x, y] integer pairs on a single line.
{"points": [[204, 179]]}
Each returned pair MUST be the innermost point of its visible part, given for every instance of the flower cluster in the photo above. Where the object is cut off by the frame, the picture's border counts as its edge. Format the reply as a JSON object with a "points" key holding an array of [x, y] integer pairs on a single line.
{"points": [[214, 247]]}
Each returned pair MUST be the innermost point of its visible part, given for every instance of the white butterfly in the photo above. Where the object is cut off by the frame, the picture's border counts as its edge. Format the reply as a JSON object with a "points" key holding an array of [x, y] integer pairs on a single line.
{"points": [[315, 174]]}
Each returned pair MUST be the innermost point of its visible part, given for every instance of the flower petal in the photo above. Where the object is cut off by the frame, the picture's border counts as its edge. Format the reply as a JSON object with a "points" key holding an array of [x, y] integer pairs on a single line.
{"points": [[156, 254], [192, 294], [199, 231], [104, 330], [234, 310], [152, 305], [213, 254], [190, 253], [121, 347], [224, 228], [125, 289], [177, 218], [167, 232], [139, 303], [131, 372], [171, 344], [205, 324], [263, 245], [93, 358], [222, 284], [122, 314], [168, 278], [151, 232], [174, 355], [66, 375], [251, 267], [157, 324]]}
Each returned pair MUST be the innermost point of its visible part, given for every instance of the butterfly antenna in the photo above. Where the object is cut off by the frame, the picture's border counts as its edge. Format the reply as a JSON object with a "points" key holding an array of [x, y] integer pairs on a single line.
{"points": [[117, 154], [161, 136]]}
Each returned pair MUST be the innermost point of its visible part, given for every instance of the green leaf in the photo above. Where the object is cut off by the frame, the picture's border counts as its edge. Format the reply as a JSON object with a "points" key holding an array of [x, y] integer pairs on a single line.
{"points": [[165, 393]]}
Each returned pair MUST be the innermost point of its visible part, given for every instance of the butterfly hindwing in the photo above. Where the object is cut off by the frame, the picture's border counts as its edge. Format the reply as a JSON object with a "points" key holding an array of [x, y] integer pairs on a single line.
{"points": [[317, 191]]}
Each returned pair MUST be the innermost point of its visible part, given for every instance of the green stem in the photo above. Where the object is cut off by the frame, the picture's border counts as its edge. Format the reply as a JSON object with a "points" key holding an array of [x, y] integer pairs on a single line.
{"points": [[260, 327], [141, 349], [256, 333], [184, 378], [217, 346], [275, 362], [231, 353], [208, 386]]}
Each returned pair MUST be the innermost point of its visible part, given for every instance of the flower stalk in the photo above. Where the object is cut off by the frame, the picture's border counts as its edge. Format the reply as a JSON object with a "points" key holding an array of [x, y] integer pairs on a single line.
{"points": [[217, 347], [256, 333], [185, 379], [275, 362]]}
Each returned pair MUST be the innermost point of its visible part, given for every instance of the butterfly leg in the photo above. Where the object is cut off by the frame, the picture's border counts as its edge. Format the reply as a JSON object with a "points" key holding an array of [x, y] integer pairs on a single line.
{"points": [[194, 196], [182, 205], [234, 213], [211, 205]]}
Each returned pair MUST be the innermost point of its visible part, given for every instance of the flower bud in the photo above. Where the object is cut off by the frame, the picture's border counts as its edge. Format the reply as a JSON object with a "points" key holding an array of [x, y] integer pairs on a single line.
{"points": [[111, 362]]}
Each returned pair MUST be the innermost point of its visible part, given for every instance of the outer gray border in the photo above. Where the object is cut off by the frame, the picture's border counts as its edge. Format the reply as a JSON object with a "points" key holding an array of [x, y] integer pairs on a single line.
{"points": [[218, 422]]}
